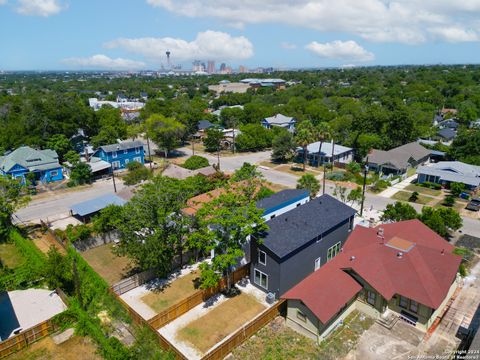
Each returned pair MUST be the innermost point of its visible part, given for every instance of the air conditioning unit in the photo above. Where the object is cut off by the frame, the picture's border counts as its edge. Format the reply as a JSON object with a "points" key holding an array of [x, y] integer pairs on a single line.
{"points": [[270, 298]]}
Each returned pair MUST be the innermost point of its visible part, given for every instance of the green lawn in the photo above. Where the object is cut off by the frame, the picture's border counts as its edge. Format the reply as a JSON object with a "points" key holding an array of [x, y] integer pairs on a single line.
{"points": [[423, 190], [278, 341], [10, 256], [405, 195]]}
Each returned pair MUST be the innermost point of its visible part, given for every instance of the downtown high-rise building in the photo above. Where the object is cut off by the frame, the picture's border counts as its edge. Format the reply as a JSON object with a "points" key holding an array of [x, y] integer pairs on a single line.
{"points": [[211, 67]]}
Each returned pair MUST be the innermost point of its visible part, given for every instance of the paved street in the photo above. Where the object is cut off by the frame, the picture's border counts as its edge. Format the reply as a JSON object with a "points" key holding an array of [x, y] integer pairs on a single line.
{"points": [[58, 204]]}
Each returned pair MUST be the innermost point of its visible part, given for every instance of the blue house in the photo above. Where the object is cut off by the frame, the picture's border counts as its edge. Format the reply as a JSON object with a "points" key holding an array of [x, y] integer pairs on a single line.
{"points": [[43, 163], [119, 155], [279, 120]]}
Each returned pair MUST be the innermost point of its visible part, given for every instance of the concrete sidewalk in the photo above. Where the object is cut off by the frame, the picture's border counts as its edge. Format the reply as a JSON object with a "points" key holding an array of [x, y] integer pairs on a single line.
{"points": [[392, 190]]}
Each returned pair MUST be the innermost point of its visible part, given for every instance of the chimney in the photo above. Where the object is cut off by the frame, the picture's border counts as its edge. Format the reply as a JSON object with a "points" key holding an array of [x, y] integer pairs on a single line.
{"points": [[352, 258], [399, 255], [443, 252]]}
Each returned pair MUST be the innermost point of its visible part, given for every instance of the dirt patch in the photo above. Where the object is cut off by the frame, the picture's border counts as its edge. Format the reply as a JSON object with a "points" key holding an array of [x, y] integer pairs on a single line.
{"points": [[44, 240], [172, 293], [76, 348], [297, 170], [220, 322], [109, 266]]}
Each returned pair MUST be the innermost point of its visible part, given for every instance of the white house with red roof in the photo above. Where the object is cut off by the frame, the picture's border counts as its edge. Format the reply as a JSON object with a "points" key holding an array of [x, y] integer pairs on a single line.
{"points": [[402, 269]]}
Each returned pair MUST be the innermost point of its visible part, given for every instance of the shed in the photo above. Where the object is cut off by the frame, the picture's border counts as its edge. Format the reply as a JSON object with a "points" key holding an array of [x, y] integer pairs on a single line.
{"points": [[87, 209]]}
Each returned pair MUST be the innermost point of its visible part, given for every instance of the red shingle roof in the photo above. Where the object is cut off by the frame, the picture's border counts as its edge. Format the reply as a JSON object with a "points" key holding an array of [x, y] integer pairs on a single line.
{"points": [[424, 273]]}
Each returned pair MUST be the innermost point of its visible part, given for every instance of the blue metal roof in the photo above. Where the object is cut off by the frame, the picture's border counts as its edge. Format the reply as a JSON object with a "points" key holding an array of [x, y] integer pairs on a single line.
{"points": [[91, 206]]}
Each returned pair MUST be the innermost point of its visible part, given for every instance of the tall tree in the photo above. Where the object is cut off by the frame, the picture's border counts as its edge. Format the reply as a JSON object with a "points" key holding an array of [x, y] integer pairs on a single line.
{"points": [[60, 144], [322, 132], [12, 197], [304, 136], [310, 183], [165, 132], [283, 147]]}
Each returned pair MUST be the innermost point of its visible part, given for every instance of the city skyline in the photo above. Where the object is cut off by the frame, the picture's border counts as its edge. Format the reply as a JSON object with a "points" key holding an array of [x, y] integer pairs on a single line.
{"points": [[61, 35]]}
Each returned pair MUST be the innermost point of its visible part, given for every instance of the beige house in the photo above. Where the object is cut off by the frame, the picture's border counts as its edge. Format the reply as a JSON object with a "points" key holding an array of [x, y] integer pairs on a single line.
{"points": [[400, 271]]}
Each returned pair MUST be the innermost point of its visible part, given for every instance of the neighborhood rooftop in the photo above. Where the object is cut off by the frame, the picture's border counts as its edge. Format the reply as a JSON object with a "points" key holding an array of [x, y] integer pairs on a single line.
{"points": [[399, 156], [327, 148], [453, 171], [30, 159], [92, 206], [278, 119], [405, 258], [124, 145], [281, 198], [292, 230]]}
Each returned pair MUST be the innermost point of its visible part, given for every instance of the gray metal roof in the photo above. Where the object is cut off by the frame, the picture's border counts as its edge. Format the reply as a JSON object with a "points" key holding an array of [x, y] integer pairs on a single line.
{"points": [[399, 156], [92, 206], [297, 227], [124, 145], [453, 171], [327, 148], [279, 120], [447, 133], [280, 198]]}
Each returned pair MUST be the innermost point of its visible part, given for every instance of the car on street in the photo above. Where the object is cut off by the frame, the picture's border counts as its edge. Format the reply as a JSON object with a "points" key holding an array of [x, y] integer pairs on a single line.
{"points": [[474, 204]]}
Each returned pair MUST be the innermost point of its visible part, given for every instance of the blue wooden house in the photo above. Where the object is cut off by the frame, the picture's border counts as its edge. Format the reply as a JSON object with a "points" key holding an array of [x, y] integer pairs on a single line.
{"points": [[119, 155], [279, 120], [43, 163]]}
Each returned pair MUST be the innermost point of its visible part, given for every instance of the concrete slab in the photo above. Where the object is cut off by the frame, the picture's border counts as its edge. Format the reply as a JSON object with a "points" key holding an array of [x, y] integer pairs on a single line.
{"points": [[23, 309], [63, 336]]}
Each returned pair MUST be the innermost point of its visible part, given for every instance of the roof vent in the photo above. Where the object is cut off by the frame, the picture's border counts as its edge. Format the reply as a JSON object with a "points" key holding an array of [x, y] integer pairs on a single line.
{"points": [[286, 219], [399, 255], [443, 252], [352, 258]]}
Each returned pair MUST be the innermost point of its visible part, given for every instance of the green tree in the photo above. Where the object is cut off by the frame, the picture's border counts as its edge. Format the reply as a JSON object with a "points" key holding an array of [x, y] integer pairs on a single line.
{"points": [[225, 225], [283, 147], [13, 196], [60, 144], [111, 127], [310, 183], [137, 172], [355, 195], [466, 147], [246, 172], [398, 212], [165, 132], [80, 174], [340, 192], [57, 270], [413, 197], [72, 157], [195, 162], [456, 188], [322, 131], [449, 200], [213, 140], [304, 136]]}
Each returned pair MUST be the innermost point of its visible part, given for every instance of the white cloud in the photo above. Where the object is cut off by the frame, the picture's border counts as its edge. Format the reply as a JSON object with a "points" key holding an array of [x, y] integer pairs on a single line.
{"points": [[104, 62], [341, 50], [3, 2], [39, 7], [288, 46], [212, 45], [403, 21]]}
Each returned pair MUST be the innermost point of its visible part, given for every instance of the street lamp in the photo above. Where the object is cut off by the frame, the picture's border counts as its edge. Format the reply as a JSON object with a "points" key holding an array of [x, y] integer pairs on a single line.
{"points": [[365, 172]]}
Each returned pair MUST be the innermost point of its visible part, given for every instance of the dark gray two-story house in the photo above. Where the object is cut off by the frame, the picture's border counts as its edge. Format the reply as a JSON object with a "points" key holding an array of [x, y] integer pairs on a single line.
{"points": [[299, 242]]}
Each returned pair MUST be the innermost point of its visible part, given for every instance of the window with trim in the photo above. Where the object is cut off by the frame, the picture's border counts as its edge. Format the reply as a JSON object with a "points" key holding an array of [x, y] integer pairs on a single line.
{"points": [[318, 263], [333, 251], [137, 159], [127, 161], [125, 151], [371, 296], [403, 302], [260, 278], [116, 164], [137, 150], [301, 316], [53, 173], [114, 154], [262, 257], [413, 306]]}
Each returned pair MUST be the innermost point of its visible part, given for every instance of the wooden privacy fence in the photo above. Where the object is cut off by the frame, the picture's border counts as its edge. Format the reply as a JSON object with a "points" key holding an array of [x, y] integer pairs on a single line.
{"points": [[18, 342], [132, 282], [245, 332], [180, 308]]}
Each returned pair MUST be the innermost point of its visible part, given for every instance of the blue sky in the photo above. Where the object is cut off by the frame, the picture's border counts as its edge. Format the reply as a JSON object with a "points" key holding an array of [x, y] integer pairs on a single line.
{"points": [[134, 34]]}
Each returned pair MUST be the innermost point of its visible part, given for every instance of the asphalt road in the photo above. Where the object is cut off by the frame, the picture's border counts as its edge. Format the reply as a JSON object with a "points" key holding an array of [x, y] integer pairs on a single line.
{"points": [[58, 204]]}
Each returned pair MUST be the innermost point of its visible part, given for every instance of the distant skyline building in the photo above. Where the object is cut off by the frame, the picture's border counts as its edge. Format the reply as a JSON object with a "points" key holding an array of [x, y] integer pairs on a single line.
{"points": [[242, 69], [211, 67], [222, 67]]}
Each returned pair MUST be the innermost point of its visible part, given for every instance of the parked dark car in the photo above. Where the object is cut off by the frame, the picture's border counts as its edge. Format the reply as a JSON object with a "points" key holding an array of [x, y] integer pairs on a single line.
{"points": [[474, 205]]}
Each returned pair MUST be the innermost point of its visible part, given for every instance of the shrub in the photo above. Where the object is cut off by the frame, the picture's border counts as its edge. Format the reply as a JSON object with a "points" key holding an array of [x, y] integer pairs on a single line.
{"points": [[462, 270], [78, 232], [195, 162], [136, 173], [449, 200], [413, 197], [380, 185], [336, 176], [431, 185]]}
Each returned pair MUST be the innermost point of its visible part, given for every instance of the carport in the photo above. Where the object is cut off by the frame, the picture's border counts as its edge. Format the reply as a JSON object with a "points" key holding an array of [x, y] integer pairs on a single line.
{"points": [[86, 209]]}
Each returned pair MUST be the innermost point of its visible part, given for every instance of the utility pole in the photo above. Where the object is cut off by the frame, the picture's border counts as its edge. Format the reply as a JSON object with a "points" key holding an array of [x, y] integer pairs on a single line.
{"points": [[113, 178], [149, 154], [218, 157], [193, 145], [324, 175], [365, 172]]}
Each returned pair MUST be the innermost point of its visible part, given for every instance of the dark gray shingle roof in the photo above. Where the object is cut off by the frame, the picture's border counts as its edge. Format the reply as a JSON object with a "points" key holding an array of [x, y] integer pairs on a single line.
{"points": [[280, 198], [289, 231]]}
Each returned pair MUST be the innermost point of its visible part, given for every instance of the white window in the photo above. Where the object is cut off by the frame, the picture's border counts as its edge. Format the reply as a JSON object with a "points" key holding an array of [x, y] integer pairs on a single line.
{"points": [[413, 306], [262, 257], [318, 263], [125, 151], [261, 279], [114, 154], [137, 159], [371, 297], [127, 161], [350, 225], [53, 173], [116, 164], [333, 251], [403, 302], [137, 150]]}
